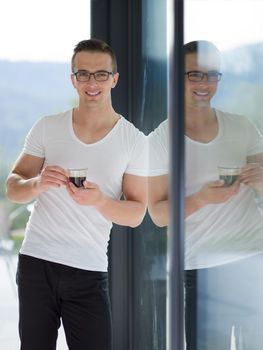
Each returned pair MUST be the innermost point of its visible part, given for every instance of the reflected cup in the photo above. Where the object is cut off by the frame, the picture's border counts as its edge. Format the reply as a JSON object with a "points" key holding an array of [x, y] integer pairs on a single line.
{"points": [[229, 174], [77, 176]]}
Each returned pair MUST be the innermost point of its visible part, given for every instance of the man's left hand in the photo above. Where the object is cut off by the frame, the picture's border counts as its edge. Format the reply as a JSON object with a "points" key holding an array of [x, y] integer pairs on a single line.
{"points": [[90, 194]]}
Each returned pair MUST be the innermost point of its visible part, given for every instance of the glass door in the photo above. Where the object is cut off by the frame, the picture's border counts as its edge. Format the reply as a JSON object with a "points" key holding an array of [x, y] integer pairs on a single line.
{"points": [[224, 223]]}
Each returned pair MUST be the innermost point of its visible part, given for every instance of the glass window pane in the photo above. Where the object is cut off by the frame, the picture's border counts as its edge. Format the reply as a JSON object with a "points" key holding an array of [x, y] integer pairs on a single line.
{"points": [[224, 178], [150, 251]]}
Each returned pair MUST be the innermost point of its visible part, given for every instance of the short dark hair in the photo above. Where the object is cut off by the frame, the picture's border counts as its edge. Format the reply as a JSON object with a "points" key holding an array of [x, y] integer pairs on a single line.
{"points": [[200, 45], [206, 50], [95, 45]]}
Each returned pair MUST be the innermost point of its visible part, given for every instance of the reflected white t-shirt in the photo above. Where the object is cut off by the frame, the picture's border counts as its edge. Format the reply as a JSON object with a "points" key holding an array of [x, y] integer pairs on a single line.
{"points": [[59, 229], [218, 233], [223, 233]]}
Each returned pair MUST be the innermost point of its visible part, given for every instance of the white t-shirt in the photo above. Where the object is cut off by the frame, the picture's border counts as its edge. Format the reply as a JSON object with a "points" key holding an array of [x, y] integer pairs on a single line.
{"points": [[222, 233], [158, 141], [218, 233], [59, 229]]}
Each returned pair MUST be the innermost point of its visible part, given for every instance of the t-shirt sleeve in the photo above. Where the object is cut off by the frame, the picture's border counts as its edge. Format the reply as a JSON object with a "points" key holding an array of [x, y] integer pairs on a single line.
{"points": [[159, 150], [34, 140], [255, 139], [138, 163]]}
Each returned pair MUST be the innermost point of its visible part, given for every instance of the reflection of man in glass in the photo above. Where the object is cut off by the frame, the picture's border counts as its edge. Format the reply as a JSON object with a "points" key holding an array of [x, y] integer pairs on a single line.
{"points": [[224, 226], [62, 269]]}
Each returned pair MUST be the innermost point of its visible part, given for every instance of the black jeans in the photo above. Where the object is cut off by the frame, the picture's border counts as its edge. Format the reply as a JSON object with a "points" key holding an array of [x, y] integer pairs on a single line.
{"points": [[50, 292]]}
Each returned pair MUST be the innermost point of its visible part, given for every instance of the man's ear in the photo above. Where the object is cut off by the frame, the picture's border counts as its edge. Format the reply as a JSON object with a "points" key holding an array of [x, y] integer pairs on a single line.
{"points": [[73, 80], [115, 80]]}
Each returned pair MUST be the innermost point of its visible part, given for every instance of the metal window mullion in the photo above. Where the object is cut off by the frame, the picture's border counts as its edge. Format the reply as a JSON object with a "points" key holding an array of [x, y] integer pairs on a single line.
{"points": [[175, 300]]}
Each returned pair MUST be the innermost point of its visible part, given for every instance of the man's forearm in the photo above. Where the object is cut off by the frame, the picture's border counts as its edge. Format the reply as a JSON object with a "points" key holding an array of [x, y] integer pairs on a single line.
{"points": [[122, 212], [159, 212], [21, 190], [192, 204]]}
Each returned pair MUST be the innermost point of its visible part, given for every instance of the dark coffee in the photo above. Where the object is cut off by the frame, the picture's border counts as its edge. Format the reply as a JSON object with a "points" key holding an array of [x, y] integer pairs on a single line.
{"points": [[77, 181], [228, 179]]}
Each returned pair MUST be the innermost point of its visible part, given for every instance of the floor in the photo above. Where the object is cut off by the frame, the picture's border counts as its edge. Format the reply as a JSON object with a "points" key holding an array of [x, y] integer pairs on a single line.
{"points": [[9, 339]]}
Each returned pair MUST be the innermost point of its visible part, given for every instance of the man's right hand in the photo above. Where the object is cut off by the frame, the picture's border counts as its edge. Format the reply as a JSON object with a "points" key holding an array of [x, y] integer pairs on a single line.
{"points": [[28, 178], [52, 176]]}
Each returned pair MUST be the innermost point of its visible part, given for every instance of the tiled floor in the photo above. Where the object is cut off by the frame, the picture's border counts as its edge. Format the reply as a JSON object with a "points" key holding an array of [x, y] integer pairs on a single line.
{"points": [[9, 339]]}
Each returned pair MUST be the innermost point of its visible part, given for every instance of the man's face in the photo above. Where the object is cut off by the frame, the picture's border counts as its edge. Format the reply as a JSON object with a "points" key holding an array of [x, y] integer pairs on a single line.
{"points": [[94, 93], [200, 93]]}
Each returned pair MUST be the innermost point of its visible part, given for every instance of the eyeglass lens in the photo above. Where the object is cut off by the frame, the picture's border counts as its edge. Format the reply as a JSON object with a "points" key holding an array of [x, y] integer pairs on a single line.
{"points": [[212, 76], [84, 75]]}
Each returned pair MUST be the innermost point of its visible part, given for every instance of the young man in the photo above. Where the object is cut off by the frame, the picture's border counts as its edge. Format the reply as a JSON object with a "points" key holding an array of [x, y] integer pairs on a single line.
{"points": [[224, 226], [62, 269]]}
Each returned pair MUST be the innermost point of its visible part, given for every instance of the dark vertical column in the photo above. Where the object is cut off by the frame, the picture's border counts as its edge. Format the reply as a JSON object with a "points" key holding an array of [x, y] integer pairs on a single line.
{"points": [[111, 22], [141, 97], [176, 230], [100, 21]]}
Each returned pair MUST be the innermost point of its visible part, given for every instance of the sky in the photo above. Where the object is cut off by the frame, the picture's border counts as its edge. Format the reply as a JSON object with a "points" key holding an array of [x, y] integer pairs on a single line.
{"points": [[42, 30], [48, 30], [228, 23]]}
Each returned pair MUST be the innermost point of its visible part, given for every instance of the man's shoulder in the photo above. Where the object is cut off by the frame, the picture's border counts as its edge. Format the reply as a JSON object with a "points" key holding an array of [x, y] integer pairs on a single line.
{"points": [[161, 131], [58, 116], [230, 117], [228, 114], [51, 120], [54, 119], [236, 123], [128, 127]]}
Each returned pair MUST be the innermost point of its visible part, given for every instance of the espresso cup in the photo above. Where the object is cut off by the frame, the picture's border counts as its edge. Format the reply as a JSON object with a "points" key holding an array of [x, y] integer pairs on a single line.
{"points": [[228, 174], [77, 176]]}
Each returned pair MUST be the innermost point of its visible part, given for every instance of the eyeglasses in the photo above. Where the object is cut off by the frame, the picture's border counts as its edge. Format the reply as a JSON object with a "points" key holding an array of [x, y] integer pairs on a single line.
{"points": [[84, 75], [197, 76]]}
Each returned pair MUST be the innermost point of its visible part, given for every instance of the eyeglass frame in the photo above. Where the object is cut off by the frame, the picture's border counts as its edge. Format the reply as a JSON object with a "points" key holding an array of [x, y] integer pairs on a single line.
{"points": [[219, 75], [90, 74]]}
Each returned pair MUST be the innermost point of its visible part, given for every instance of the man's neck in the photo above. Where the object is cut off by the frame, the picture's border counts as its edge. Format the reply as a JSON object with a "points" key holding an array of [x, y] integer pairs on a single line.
{"points": [[94, 117], [201, 124], [91, 125], [199, 116]]}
